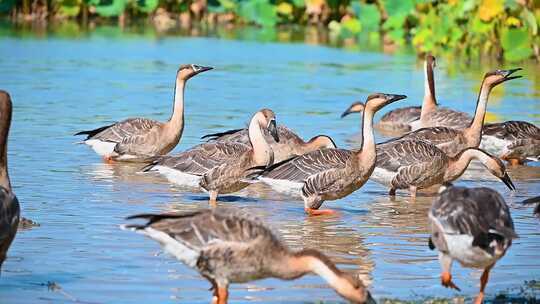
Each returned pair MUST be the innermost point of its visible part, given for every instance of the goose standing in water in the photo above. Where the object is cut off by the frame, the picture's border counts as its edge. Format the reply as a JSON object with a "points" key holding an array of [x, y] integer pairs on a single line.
{"points": [[226, 246], [513, 141], [289, 144], [452, 141], [9, 205], [405, 119], [330, 174], [413, 164], [141, 139], [219, 167], [472, 226]]}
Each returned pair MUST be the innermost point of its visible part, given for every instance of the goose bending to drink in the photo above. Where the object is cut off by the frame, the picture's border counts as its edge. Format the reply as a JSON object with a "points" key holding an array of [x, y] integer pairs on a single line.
{"points": [[226, 246], [142, 139], [220, 166], [329, 174], [452, 141], [472, 226], [9, 205], [413, 165], [514, 141]]}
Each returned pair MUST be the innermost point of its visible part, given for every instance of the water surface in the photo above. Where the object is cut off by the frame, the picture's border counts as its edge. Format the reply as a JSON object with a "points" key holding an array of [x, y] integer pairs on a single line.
{"points": [[60, 86]]}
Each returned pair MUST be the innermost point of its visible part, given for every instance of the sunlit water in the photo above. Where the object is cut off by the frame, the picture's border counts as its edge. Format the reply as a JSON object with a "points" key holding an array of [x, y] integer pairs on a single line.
{"points": [[61, 86]]}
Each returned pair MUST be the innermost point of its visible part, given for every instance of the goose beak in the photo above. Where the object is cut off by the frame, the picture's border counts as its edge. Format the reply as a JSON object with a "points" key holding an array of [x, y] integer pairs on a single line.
{"points": [[507, 74], [508, 182], [273, 129], [347, 112], [200, 69], [395, 97], [370, 299]]}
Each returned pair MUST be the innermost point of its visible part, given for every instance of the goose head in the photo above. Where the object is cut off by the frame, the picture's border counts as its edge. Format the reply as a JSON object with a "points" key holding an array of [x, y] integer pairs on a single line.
{"points": [[375, 102], [267, 120], [498, 169], [355, 107], [496, 77], [187, 71], [322, 141]]}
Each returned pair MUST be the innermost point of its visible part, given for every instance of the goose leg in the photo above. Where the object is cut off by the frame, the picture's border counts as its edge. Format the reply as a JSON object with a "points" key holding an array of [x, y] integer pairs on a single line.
{"points": [[483, 282], [213, 198], [514, 162], [392, 192], [412, 190], [315, 212], [108, 159], [446, 277], [222, 295]]}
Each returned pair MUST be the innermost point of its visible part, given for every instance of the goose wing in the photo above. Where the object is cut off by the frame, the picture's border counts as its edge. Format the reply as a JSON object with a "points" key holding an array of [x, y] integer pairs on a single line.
{"points": [[121, 130], [476, 212], [512, 130], [413, 161], [402, 115], [242, 136], [9, 219], [442, 137], [201, 158], [202, 229], [445, 117], [300, 168]]}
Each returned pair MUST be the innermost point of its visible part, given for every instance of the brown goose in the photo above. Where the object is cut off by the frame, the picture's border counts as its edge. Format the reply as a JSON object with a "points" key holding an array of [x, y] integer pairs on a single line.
{"points": [[411, 118], [219, 167], [226, 246], [289, 144], [453, 141], [141, 139], [413, 164], [330, 174], [513, 141], [433, 116], [9, 205], [472, 226]]}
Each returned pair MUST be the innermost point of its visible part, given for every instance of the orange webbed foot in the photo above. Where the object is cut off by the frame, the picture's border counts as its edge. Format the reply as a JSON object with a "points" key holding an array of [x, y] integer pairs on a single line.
{"points": [[315, 212], [446, 281], [108, 160]]}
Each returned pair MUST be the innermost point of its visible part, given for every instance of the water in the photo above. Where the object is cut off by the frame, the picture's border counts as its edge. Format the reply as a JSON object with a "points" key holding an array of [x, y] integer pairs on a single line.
{"points": [[63, 85]]}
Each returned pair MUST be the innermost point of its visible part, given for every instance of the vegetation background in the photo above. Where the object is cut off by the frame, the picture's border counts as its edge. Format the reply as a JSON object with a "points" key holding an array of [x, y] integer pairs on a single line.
{"points": [[502, 29]]}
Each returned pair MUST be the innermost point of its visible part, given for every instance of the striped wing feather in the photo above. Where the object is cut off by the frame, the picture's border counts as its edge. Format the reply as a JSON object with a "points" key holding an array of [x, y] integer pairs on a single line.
{"points": [[9, 220], [203, 229], [415, 162], [130, 127], [302, 167], [202, 158]]}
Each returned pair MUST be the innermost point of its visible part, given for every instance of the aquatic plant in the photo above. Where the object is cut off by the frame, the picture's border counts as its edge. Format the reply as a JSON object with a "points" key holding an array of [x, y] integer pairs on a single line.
{"points": [[506, 29]]}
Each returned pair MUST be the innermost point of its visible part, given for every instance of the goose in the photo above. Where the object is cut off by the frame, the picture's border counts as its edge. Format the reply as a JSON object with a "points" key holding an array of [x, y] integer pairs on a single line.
{"points": [[289, 144], [514, 141], [533, 200], [452, 141], [413, 164], [9, 205], [431, 115], [227, 246], [405, 119], [472, 226], [141, 139], [219, 167], [329, 174]]}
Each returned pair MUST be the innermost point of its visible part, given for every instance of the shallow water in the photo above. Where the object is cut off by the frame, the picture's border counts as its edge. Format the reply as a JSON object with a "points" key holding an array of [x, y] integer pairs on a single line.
{"points": [[61, 86]]}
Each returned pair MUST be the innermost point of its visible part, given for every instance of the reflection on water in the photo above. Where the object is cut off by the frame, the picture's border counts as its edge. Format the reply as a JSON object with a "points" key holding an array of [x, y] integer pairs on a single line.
{"points": [[107, 75]]}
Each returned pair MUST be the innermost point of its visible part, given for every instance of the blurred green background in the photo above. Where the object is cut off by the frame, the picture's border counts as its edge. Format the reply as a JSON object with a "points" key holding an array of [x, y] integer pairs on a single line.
{"points": [[506, 30]]}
